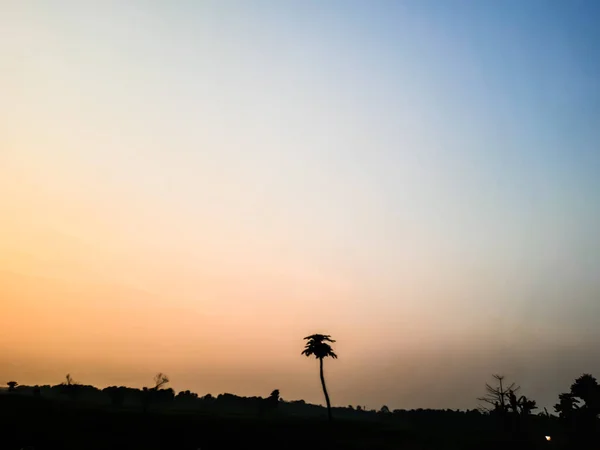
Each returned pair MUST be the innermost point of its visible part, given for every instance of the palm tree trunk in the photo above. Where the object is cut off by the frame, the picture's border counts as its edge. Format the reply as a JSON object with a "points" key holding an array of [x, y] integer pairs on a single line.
{"points": [[325, 390]]}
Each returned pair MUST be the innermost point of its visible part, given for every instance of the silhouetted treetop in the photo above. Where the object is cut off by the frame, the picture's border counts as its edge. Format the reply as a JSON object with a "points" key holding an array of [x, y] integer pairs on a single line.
{"points": [[497, 397], [587, 389], [318, 346], [69, 380], [160, 379]]}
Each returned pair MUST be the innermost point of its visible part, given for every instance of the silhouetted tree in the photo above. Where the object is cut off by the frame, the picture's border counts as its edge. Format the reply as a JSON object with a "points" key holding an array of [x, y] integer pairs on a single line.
{"points": [[116, 395], [187, 395], [270, 403], [157, 394], [163, 396], [160, 379], [145, 398], [526, 406], [496, 398], [519, 411], [384, 410], [521, 405], [317, 346], [566, 405], [579, 408], [12, 386], [70, 387], [587, 389]]}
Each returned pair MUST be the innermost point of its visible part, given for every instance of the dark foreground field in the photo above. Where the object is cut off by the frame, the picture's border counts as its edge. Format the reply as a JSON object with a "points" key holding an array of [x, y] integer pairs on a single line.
{"points": [[54, 424]]}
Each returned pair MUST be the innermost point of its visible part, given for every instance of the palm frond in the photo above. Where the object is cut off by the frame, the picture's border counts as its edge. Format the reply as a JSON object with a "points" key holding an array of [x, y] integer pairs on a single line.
{"points": [[318, 347], [319, 338]]}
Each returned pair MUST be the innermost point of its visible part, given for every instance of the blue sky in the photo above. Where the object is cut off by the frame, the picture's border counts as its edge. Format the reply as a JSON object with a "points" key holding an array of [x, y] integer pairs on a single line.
{"points": [[422, 172]]}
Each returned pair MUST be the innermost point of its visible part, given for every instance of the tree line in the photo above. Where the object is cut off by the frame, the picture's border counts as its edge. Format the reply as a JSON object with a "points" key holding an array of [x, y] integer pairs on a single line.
{"points": [[576, 414]]}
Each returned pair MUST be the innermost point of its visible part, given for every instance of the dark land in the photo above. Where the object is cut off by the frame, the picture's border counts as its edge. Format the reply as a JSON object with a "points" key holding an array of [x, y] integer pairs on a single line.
{"points": [[74, 416]]}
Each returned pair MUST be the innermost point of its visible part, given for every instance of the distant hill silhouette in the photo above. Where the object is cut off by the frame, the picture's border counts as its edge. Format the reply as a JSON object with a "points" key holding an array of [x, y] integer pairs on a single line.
{"points": [[508, 421]]}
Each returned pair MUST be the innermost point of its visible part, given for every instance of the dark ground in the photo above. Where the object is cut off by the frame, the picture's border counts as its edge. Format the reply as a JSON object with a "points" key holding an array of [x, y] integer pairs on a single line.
{"points": [[61, 424]]}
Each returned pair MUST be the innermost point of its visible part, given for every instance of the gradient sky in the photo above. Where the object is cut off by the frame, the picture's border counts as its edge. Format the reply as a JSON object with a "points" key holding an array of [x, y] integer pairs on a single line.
{"points": [[192, 187]]}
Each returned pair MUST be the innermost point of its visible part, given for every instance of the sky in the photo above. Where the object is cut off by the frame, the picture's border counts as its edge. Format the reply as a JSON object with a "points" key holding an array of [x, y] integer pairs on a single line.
{"points": [[193, 187]]}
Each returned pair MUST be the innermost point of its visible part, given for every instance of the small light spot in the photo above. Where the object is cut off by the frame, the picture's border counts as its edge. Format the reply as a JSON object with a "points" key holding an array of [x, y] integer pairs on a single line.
{"points": [[548, 438]]}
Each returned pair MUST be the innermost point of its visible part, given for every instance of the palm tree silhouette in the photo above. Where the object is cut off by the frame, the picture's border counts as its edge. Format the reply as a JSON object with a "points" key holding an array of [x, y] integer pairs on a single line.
{"points": [[318, 346]]}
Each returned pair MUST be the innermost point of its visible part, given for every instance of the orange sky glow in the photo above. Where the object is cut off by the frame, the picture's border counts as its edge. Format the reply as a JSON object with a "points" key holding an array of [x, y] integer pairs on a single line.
{"points": [[196, 194]]}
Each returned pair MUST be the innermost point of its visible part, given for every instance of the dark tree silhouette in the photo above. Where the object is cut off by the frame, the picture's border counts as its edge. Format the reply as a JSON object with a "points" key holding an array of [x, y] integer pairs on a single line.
{"points": [[521, 406], [274, 395], [116, 394], [566, 405], [497, 397], [525, 405], [587, 389], [270, 403], [160, 379], [579, 409], [518, 414], [12, 386], [156, 394], [317, 346], [145, 398], [70, 387], [187, 395]]}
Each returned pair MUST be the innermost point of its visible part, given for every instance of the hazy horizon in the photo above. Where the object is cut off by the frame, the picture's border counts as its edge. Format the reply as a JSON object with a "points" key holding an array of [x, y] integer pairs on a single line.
{"points": [[194, 187]]}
